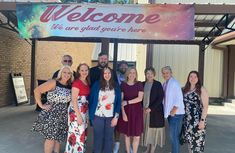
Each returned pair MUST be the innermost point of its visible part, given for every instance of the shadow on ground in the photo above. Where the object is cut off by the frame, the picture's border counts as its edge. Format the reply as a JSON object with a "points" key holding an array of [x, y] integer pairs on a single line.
{"points": [[16, 137]]}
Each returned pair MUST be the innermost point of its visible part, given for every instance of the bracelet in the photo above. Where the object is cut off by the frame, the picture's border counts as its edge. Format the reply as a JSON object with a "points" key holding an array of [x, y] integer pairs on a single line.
{"points": [[127, 102], [116, 115]]}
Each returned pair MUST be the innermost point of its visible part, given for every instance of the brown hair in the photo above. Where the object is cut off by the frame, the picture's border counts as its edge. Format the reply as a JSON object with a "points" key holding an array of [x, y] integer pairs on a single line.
{"points": [[103, 82], [197, 86], [102, 53], [78, 74], [150, 69]]}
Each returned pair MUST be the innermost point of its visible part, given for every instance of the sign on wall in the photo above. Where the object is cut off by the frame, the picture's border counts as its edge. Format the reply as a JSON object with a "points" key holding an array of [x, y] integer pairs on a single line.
{"points": [[150, 22]]}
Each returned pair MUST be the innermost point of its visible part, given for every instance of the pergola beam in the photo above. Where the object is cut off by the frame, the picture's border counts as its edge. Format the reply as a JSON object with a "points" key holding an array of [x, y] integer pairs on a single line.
{"points": [[209, 9], [7, 6], [214, 9], [202, 33], [113, 40], [205, 23]]}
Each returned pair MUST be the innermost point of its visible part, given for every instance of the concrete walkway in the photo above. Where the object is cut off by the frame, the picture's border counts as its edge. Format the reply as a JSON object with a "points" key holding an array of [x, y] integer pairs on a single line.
{"points": [[15, 135]]}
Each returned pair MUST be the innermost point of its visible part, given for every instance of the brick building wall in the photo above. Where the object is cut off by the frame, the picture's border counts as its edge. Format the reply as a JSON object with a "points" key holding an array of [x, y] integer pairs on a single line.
{"points": [[49, 54], [15, 55]]}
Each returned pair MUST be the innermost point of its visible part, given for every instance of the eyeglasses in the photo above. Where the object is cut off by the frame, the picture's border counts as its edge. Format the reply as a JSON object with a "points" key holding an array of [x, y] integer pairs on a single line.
{"points": [[67, 61]]}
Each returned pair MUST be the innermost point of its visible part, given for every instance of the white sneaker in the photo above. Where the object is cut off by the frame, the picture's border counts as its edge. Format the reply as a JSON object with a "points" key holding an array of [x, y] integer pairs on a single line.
{"points": [[131, 150], [116, 147]]}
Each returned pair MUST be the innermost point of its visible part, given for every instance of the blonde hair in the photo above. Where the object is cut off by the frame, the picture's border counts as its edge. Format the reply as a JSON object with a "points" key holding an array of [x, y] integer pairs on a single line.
{"points": [[128, 72], [59, 76]]}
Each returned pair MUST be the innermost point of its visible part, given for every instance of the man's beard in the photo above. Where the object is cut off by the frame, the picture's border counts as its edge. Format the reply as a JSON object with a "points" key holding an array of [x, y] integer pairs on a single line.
{"points": [[103, 64], [122, 71]]}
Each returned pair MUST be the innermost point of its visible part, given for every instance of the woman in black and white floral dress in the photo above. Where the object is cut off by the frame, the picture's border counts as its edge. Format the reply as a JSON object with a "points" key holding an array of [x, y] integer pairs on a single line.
{"points": [[196, 106], [52, 120]]}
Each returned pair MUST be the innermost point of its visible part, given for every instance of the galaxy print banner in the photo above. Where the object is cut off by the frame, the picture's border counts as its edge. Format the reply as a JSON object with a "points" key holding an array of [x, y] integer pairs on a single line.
{"points": [[146, 22]]}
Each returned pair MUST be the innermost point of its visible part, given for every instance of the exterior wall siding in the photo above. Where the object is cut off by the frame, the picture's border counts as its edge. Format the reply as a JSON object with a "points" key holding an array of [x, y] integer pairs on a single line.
{"points": [[213, 71], [141, 61], [181, 58], [125, 52], [184, 58]]}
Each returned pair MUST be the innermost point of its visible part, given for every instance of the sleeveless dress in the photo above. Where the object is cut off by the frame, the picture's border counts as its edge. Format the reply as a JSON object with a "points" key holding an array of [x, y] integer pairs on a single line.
{"points": [[77, 134], [52, 124], [193, 111]]}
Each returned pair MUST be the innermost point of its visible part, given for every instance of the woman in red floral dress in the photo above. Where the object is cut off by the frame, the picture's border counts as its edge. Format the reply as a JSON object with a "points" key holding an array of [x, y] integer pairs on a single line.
{"points": [[78, 112]]}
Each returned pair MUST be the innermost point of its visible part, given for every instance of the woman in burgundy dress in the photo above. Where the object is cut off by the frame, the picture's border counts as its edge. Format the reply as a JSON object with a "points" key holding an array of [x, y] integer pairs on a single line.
{"points": [[131, 122]]}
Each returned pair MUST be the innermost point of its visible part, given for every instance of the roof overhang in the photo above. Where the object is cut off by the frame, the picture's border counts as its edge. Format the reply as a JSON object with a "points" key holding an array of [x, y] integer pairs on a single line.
{"points": [[209, 9], [225, 40], [7, 6], [11, 6], [214, 9]]}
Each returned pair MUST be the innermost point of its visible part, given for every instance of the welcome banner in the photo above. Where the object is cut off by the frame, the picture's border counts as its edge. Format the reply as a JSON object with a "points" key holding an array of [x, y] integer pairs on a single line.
{"points": [[149, 22]]}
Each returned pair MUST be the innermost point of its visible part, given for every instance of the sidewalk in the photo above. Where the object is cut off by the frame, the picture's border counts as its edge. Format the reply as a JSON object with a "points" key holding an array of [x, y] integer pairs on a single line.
{"points": [[15, 135]]}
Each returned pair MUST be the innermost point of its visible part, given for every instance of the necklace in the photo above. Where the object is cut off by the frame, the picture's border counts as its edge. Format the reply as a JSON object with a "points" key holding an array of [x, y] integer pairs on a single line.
{"points": [[107, 86]]}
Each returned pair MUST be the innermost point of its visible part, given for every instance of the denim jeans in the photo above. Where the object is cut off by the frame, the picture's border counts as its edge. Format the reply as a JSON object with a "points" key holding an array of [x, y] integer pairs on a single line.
{"points": [[103, 135], [175, 124]]}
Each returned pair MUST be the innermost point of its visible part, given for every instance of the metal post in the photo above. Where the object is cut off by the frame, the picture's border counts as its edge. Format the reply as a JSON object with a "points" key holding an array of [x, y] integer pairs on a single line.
{"points": [[115, 54], [32, 85], [149, 56], [105, 45], [202, 48]]}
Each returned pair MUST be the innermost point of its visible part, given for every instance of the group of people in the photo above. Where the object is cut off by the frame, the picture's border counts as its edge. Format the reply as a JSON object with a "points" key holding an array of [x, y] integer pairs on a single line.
{"points": [[117, 103]]}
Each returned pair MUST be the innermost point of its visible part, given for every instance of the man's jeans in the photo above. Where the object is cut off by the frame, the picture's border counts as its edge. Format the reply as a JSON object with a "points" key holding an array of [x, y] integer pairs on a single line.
{"points": [[175, 124]]}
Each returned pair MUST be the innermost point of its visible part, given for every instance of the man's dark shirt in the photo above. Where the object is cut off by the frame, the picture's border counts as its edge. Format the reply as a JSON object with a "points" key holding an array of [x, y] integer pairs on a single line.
{"points": [[55, 74]]}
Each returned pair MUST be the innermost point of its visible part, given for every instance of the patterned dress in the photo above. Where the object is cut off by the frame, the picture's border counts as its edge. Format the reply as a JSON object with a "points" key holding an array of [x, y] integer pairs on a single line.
{"points": [[193, 112], [52, 124], [77, 134]]}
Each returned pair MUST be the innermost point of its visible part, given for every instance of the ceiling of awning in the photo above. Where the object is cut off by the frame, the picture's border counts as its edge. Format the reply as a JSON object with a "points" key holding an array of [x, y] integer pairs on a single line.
{"points": [[207, 27], [210, 21]]}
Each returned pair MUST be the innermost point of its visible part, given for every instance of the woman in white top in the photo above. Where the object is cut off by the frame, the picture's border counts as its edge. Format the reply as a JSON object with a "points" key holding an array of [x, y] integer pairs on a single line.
{"points": [[173, 107], [104, 108]]}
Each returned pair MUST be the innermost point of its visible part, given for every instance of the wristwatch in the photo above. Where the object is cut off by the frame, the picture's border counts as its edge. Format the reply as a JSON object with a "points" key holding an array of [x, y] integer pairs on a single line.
{"points": [[202, 119]]}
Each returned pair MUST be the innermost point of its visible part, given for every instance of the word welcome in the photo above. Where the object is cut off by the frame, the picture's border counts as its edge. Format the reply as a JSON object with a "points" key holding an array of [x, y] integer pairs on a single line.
{"points": [[56, 12]]}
